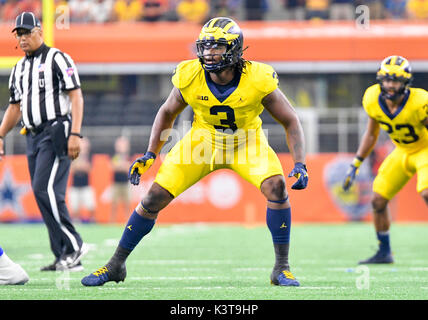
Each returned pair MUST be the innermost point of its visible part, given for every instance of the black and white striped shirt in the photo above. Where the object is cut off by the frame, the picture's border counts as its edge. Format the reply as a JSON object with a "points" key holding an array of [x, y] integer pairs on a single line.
{"points": [[40, 83]]}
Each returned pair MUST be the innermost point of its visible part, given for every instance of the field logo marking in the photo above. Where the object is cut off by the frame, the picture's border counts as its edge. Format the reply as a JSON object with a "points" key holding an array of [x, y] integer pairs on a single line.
{"points": [[62, 282], [363, 282]]}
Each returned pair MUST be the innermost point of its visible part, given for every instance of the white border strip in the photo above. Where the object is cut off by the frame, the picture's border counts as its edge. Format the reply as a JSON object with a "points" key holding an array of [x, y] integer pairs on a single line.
{"points": [[280, 67], [290, 67]]}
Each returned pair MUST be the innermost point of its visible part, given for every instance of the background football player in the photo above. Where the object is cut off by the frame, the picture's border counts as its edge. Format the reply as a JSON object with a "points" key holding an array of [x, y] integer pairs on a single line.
{"points": [[11, 272], [403, 113], [227, 95]]}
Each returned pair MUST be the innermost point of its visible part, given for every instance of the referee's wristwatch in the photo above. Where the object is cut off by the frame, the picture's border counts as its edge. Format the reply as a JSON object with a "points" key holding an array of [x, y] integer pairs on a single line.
{"points": [[76, 134]]}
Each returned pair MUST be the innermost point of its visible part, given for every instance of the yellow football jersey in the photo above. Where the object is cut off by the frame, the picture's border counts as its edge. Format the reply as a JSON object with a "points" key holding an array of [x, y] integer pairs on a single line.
{"points": [[235, 107], [405, 126]]}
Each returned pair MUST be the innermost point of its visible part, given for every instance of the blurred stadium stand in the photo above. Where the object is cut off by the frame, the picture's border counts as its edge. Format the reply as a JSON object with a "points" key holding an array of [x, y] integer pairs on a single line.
{"points": [[102, 11]]}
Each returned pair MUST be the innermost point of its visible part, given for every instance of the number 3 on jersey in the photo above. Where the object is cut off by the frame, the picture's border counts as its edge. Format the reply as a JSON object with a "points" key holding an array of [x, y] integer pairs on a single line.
{"points": [[229, 122]]}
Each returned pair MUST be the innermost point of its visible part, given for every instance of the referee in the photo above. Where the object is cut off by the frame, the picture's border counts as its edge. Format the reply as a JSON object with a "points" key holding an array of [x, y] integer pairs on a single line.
{"points": [[45, 95]]}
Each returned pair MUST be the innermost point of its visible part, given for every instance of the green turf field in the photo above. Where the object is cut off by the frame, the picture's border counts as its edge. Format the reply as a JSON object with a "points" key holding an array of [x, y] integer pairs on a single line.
{"points": [[223, 262]]}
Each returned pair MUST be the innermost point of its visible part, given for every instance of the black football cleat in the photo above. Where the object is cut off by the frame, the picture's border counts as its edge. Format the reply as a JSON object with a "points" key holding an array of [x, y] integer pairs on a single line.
{"points": [[50, 267], [379, 258], [285, 278], [54, 267], [105, 274]]}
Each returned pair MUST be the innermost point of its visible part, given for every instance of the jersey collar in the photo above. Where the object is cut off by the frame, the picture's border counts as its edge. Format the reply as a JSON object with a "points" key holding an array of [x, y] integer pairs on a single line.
{"points": [[385, 109], [222, 92], [37, 52]]}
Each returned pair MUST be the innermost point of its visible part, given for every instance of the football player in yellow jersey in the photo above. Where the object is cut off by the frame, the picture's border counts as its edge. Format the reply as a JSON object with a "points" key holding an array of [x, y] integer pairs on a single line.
{"points": [[227, 95], [402, 112]]}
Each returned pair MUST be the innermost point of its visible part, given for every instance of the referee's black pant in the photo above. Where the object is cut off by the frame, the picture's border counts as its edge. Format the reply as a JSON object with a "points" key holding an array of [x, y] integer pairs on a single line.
{"points": [[49, 175]]}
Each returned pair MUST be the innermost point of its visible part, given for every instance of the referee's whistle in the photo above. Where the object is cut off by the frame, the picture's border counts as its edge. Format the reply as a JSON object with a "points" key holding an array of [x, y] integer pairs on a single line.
{"points": [[23, 131]]}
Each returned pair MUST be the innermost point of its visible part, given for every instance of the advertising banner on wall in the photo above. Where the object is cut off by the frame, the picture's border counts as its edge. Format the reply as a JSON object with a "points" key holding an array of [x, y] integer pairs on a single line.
{"points": [[220, 197]]}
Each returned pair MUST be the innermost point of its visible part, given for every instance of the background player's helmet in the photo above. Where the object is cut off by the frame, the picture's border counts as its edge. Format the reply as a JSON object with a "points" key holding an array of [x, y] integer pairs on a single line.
{"points": [[223, 31], [395, 68]]}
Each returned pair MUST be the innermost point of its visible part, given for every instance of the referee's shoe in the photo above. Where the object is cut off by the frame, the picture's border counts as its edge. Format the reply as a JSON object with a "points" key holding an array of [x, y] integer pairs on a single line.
{"points": [[72, 260]]}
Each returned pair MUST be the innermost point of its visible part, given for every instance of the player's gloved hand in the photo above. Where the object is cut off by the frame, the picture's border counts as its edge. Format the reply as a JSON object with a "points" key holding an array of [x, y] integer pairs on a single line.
{"points": [[139, 166], [352, 173], [301, 173]]}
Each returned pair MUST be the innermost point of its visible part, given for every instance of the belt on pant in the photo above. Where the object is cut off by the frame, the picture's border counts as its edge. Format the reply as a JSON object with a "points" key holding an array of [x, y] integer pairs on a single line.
{"points": [[39, 129]]}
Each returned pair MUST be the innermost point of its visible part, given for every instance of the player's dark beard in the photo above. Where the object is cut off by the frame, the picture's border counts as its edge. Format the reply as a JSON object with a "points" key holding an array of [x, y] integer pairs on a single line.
{"points": [[397, 95]]}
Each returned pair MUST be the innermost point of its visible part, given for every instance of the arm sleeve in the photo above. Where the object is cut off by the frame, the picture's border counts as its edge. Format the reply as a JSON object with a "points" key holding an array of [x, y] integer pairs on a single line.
{"points": [[66, 71], [265, 78], [423, 111], [366, 101], [15, 95], [177, 77], [272, 80]]}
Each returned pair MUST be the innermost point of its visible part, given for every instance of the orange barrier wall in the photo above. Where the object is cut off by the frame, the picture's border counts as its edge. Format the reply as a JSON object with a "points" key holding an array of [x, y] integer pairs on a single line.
{"points": [[267, 41], [221, 196]]}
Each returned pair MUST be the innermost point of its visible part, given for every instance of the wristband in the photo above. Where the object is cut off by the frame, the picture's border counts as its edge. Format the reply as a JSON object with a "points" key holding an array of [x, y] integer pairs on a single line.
{"points": [[149, 153], [76, 134], [304, 165], [1, 137]]}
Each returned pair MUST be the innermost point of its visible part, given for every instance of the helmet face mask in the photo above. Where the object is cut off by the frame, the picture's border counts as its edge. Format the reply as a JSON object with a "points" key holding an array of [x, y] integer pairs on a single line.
{"points": [[208, 50], [394, 68], [397, 92], [216, 33]]}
